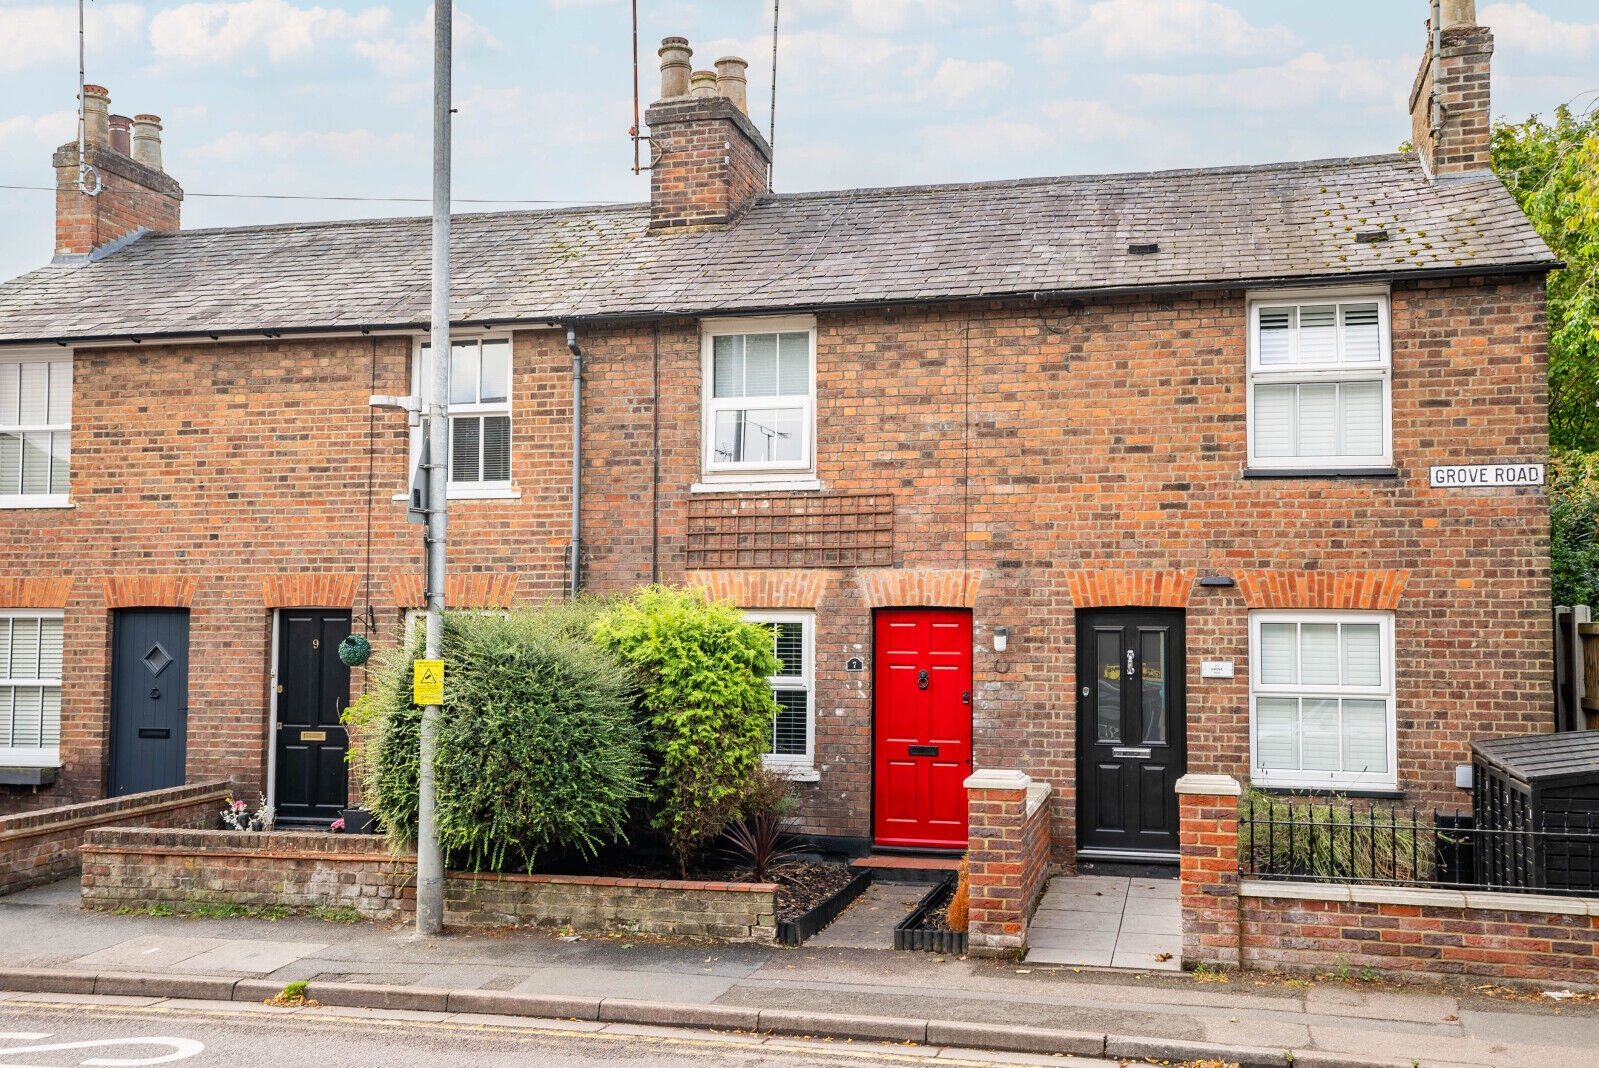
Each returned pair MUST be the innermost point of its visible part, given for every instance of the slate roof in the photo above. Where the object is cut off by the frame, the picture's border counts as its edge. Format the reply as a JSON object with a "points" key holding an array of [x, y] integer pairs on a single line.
{"points": [[1221, 226]]}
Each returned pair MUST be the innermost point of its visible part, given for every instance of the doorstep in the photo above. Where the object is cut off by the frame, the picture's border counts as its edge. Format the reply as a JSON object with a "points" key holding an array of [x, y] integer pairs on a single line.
{"points": [[903, 868]]}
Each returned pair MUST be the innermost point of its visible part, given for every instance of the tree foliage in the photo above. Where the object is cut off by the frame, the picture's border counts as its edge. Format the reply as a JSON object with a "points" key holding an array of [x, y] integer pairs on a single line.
{"points": [[706, 704], [1574, 527], [1552, 169], [538, 750]]}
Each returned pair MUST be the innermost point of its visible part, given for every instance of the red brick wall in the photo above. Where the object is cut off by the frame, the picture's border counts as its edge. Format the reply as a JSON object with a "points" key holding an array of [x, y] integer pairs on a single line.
{"points": [[1208, 877], [709, 160], [42, 846], [132, 196], [1008, 860], [305, 871], [1463, 144], [1025, 445]]}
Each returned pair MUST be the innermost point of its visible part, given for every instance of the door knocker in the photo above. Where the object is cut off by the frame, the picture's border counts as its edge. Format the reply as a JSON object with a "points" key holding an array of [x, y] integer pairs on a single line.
{"points": [[1129, 663], [921, 680]]}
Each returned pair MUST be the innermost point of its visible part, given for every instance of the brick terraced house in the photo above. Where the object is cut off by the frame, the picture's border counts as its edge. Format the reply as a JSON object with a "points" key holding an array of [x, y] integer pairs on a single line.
{"points": [[1106, 478]]}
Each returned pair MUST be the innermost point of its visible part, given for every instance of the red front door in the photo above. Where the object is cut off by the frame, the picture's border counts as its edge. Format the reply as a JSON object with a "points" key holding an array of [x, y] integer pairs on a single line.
{"points": [[923, 741]]}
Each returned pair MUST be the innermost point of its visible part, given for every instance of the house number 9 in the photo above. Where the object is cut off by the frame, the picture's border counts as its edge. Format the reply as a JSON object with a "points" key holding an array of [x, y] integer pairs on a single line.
{"points": [[316, 643]]}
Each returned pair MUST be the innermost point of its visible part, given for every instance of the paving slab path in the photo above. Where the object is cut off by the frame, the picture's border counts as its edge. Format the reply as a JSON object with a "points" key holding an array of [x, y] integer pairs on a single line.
{"points": [[1108, 921], [44, 929]]}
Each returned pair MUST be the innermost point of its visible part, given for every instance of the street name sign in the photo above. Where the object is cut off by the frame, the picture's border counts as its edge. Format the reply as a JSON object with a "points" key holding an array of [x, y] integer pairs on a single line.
{"points": [[1475, 476]]}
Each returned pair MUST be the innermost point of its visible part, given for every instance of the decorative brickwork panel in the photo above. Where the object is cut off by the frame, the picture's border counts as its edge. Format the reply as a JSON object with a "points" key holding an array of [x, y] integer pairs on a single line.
{"points": [[1346, 590], [1143, 589], [762, 589], [800, 531], [897, 588], [35, 592], [486, 590], [309, 591], [150, 591]]}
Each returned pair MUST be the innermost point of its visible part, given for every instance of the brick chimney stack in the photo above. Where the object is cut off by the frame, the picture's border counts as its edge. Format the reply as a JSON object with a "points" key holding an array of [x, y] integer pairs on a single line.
{"points": [[710, 161], [1449, 117], [134, 193]]}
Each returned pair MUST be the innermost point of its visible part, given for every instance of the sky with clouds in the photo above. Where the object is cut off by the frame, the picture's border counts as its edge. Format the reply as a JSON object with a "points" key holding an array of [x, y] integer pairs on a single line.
{"points": [[332, 99]]}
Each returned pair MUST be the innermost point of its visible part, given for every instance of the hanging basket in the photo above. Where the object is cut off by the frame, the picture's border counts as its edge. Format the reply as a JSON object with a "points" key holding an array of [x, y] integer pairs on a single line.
{"points": [[355, 650]]}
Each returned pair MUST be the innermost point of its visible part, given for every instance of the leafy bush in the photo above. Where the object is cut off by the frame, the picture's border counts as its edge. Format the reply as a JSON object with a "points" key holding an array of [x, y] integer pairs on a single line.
{"points": [[764, 820], [1574, 528], [538, 750], [706, 705], [1330, 839]]}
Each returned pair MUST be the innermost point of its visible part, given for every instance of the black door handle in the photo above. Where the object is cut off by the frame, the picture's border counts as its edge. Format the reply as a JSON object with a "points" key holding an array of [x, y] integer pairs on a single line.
{"points": [[921, 680]]}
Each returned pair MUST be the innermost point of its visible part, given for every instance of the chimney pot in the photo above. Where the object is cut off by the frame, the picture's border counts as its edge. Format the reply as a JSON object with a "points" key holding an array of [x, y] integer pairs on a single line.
{"points": [[703, 83], [730, 81], [147, 140], [122, 134], [1457, 13], [97, 114], [675, 54]]}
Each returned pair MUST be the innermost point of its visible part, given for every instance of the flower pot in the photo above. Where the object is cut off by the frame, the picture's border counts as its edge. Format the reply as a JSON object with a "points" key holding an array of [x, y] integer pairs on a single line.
{"points": [[359, 821], [255, 825]]}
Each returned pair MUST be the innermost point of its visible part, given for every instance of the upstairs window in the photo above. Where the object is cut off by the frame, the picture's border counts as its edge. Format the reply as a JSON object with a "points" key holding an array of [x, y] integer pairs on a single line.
{"points": [[1319, 377], [30, 688], [480, 414], [760, 387], [35, 432], [1322, 699], [791, 742]]}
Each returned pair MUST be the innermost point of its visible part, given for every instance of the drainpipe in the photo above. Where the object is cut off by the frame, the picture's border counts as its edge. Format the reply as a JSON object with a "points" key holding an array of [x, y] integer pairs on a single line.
{"points": [[577, 453]]}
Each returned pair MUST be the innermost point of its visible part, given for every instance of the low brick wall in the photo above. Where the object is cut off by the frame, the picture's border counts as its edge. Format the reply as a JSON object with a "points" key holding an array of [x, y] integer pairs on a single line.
{"points": [[1320, 927], [42, 846], [306, 871], [1007, 816], [1316, 927]]}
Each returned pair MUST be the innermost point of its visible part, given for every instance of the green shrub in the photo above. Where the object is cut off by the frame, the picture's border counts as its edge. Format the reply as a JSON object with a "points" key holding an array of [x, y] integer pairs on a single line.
{"points": [[538, 749], [1574, 528], [706, 705]]}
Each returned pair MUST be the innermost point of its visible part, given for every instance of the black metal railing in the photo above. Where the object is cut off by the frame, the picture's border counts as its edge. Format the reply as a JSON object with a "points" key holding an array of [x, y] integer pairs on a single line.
{"points": [[1346, 842]]}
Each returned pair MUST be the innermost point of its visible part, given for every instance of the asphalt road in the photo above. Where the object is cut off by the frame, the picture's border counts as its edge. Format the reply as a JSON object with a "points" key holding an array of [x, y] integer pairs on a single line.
{"points": [[60, 1035]]}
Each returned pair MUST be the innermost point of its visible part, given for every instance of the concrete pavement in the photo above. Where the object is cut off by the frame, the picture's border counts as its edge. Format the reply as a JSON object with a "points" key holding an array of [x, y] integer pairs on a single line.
{"points": [[1374, 1024]]}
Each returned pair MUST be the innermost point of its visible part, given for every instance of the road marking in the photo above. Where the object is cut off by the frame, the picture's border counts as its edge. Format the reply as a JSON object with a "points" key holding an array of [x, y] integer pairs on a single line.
{"points": [[795, 1043], [182, 1049]]}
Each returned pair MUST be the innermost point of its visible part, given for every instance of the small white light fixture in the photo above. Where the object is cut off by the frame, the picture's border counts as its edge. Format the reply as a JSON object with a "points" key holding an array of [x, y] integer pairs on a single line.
{"points": [[1001, 637]]}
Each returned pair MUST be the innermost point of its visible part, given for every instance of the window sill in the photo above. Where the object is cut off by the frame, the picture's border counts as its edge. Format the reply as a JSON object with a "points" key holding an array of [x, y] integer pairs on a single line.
{"points": [[1376, 793], [1321, 472], [809, 485], [41, 500], [466, 493], [795, 772]]}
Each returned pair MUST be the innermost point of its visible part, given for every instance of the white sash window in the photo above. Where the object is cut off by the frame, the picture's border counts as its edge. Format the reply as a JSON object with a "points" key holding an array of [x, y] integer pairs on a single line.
{"points": [[30, 688], [759, 398], [791, 742], [35, 431]]}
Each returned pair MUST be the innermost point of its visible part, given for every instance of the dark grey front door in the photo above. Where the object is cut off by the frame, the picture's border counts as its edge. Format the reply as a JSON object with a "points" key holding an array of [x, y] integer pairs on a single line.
{"points": [[149, 699], [313, 692], [1132, 731]]}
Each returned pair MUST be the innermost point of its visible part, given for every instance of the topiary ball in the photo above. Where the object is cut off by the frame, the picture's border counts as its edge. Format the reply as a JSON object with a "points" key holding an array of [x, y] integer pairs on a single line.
{"points": [[355, 650]]}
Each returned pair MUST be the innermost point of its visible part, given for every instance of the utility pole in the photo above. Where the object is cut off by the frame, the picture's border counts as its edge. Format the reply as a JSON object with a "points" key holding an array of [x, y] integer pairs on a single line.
{"points": [[436, 398]]}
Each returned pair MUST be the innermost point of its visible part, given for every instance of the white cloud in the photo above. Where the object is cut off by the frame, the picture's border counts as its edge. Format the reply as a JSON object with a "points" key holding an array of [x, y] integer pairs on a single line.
{"points": [[1306, 81], [1518, 26], [35, 35], [988, 137], [1095, 120], [24, 133], [842, 68], [1118, 29], [886, 16], [204, 34], [961, 80], [347, 146]]}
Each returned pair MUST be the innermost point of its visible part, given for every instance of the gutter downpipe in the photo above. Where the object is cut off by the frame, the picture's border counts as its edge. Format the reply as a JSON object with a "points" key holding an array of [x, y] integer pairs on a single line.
{"points": [[577, 457]]}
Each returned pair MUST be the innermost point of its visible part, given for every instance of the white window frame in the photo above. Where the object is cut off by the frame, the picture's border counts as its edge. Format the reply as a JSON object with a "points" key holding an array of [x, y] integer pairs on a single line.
{"points": [[795, 471], [33, 757], [54, 356], [1386, 691], [503, 489], [1326, 373], [806, 680]]}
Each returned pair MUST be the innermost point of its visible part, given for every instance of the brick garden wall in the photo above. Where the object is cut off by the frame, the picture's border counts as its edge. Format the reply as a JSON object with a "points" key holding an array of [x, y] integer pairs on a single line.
{"points": [[1007, 858], [1022, 445], [42, 846], [305, 871]]}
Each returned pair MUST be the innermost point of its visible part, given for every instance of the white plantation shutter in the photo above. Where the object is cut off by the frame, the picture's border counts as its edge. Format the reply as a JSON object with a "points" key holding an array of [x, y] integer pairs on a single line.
{"points": [[35, 428], [30, 689], [1318, 384], [1322, 699], [760, 365]]}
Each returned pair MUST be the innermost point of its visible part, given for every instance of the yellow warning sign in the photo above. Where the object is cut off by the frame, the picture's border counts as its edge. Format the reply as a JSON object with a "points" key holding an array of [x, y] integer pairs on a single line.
{"points": [[427, 682]]}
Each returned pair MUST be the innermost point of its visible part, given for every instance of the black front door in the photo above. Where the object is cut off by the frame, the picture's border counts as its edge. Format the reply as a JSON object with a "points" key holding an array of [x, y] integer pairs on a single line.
{"points": [[149, 699], [1131, 731], [313, 691]]}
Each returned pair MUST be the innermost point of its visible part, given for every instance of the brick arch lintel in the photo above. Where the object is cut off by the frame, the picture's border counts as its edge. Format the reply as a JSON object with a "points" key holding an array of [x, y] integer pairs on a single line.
{"points": [[769, 588], [478, 589], [21, 592], [1347, 590], [892, 587], [302, 590], [1111, 588], [150, 591]]}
